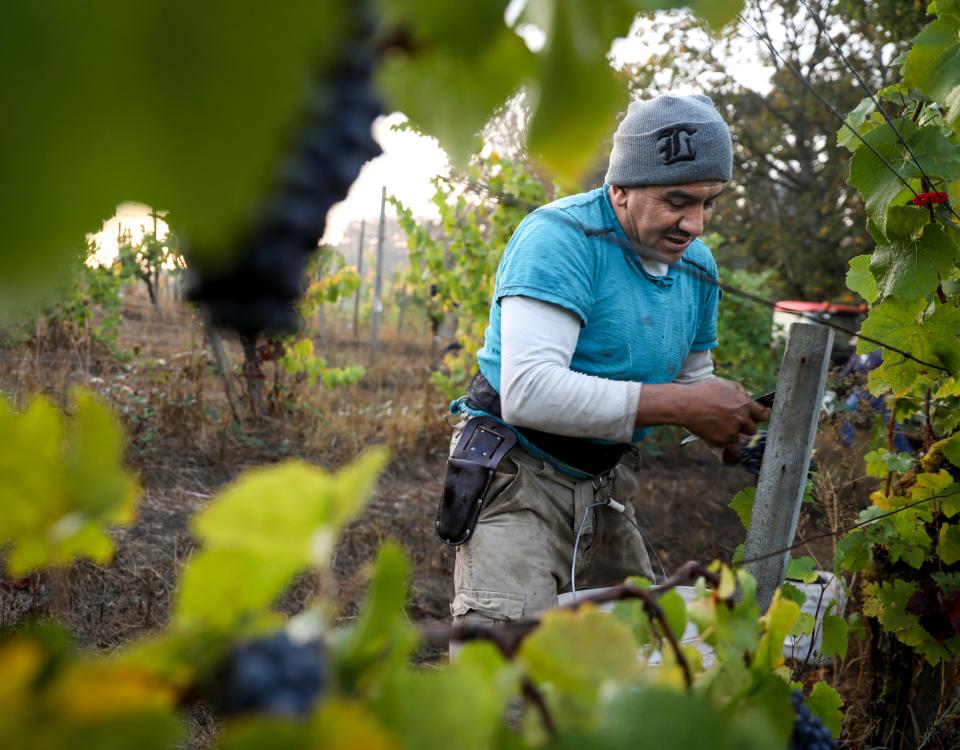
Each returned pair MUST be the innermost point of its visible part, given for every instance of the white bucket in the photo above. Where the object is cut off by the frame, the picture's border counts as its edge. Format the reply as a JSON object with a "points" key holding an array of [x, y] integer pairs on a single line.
{"points": [[827, 588], [691, 636], [819, 594]]}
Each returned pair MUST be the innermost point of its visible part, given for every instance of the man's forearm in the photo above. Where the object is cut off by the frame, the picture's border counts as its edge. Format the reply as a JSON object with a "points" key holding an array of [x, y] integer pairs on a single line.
{"points": [[662, 404]]}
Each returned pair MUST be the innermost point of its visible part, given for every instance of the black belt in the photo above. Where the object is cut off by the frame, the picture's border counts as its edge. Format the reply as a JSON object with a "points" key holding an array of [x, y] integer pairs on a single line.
{"points": [[584, 455]]}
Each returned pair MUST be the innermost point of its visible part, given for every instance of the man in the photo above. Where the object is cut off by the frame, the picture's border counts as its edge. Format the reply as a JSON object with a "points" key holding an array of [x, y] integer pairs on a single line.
{"points": [[604, 314]]}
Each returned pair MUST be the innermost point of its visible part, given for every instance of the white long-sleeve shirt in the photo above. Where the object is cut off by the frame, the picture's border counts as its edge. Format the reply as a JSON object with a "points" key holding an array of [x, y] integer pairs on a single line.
{"points": [[539, 390]]}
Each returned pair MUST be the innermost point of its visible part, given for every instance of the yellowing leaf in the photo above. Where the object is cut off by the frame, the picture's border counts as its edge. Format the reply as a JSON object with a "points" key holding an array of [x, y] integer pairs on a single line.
{"points": [[287, 512], [778, 621], [94, 689], [20, 663], [341, 725], [948, 543], [264, 529]]}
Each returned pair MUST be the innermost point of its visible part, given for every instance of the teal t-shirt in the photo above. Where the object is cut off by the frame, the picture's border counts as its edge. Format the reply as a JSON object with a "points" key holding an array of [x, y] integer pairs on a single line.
{"points": [[634, 326]]}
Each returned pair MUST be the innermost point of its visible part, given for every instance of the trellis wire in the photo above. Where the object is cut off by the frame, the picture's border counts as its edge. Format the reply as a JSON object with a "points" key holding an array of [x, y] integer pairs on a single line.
{"points": [[512, 200]]}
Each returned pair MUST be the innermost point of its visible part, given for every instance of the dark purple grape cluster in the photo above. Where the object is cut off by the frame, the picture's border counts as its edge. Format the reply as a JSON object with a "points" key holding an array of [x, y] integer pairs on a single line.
{"points": [[271, 675], [809, 733], [266, 276], [751, 452]]}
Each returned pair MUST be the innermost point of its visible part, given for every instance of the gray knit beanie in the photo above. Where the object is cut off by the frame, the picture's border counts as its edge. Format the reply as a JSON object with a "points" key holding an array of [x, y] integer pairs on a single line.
{"points": [[671, 140]]}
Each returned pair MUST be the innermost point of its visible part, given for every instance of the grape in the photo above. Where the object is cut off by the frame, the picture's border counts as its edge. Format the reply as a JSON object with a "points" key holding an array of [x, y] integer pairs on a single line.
{"points": [[809, 733], [751, 455], [751, 452], [271, 675], [266, 277]]}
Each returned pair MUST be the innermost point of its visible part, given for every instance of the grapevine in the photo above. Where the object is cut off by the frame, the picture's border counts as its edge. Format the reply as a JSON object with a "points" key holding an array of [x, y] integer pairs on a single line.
{"points": [[907, 544]]}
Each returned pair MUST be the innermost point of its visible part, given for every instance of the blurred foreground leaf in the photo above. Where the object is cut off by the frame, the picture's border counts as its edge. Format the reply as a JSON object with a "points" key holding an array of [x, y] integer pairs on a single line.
{"points": [[266, 527], [62, 483], [180, 105]]}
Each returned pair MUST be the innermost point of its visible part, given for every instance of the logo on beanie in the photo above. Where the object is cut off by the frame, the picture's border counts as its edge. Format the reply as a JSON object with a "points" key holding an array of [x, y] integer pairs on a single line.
{"points": [[675, 144]]}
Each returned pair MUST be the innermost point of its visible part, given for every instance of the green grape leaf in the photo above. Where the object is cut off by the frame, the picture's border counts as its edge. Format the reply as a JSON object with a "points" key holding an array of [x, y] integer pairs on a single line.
{"points": [[804, 625], [876, 463], [846, 136], [911, 542], [951, 449], [461, 31], [793, 593], [947, 581], [939, 488], [578, 652], [933, 63], [176, 130], [62, 483], [674, 610], [825, 703], [674, 719], [905, 325], [381, 639], [471, 88], [879, 186], [861, 280], [834, 641], [894, 597], [880, 461], [576, 87], [948, 543], [915, 254], [742, 503], [854, 551], [252, 547], [427, 708], [802, 569]]}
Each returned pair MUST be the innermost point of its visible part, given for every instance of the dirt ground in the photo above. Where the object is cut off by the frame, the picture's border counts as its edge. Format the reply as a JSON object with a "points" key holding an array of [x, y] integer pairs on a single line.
{"points": [[184, 448]]}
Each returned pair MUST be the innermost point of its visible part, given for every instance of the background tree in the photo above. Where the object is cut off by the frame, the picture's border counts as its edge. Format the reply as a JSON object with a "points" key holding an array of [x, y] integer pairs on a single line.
{"points": [[147, 258], [788, 207]]}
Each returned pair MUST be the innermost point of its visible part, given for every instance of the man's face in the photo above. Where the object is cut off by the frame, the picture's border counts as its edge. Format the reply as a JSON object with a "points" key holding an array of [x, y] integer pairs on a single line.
{"points": [[665, 219]]}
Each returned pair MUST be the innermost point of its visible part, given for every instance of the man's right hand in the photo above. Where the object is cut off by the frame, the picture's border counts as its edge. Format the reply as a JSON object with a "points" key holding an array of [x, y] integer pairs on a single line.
{"points": [[715, 409]]}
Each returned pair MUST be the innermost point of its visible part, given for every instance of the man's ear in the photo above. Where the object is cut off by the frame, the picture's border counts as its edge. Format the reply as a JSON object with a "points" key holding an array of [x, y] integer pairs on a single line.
{"points": [[618, 195]]}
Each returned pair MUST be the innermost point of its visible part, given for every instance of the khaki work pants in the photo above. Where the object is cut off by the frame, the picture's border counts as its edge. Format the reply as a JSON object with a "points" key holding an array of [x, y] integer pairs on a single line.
{"points": [[519, 557]]}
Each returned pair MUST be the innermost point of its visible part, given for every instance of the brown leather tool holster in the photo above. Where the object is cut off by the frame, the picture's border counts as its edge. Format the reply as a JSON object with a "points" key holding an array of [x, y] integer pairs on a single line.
{"points": [[470, 468]]}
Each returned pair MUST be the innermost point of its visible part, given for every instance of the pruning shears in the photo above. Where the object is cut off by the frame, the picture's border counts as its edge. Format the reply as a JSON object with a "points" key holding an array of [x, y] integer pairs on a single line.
{"points": [[765, 400]]}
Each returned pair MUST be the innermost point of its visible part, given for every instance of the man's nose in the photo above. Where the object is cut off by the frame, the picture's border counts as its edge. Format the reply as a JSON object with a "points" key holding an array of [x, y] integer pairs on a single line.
{"points": [[693, 220]]}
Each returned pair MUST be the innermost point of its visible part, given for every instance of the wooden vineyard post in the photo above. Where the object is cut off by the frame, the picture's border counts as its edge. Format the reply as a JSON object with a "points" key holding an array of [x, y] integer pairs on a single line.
{"points": [[786, 458], [223, 365], [378, 280], [356, 297]]}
